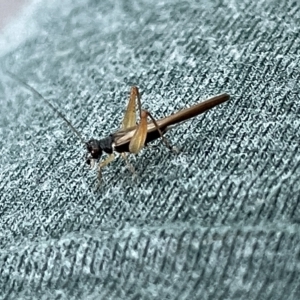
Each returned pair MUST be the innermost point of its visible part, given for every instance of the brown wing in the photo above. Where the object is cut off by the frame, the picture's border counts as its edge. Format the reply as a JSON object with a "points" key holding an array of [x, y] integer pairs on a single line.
{"points": [[193, 111], [123, 137]]}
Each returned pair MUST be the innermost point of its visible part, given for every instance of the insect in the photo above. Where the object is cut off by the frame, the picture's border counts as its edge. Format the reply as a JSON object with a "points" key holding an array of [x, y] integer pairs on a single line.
{"points": [[132, 136]]}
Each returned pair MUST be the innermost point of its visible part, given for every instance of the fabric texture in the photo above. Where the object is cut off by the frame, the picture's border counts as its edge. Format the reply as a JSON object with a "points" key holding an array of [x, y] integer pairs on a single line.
{"points": [[220, 220]]}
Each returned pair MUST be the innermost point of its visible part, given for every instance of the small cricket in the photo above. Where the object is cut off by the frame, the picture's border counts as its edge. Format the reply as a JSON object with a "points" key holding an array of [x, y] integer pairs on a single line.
{"points": [[132, 136]]}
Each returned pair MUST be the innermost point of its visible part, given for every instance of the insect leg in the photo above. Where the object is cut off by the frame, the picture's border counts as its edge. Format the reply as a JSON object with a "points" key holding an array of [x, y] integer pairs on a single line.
{"points": [[138, 140], [164, 139], [129, 165], [130, 113], [104, 163]]}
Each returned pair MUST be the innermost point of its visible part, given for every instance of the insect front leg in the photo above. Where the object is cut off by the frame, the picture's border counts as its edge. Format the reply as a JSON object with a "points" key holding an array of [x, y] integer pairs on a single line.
{"points": [[104, 163]]}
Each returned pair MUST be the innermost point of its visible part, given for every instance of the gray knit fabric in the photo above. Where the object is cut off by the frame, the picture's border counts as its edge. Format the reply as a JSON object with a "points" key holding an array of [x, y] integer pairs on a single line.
{"points": [[220, 220]]}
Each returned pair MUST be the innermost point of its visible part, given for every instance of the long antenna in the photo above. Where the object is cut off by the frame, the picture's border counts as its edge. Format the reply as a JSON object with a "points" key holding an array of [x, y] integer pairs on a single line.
{"points": [[35, 92]]}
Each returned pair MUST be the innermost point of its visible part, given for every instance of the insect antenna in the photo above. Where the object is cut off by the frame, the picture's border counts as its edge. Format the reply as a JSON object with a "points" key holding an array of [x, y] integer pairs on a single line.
{"points": [[35, 92]]}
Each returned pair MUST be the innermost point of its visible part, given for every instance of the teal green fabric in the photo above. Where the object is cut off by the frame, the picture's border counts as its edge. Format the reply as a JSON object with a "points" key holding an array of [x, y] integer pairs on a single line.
{"points": [[220, 220]]}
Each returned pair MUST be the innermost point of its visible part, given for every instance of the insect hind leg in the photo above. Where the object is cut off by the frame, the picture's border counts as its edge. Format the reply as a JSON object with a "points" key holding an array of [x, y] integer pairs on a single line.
{"points": [[128, 164], [164, 139]]}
